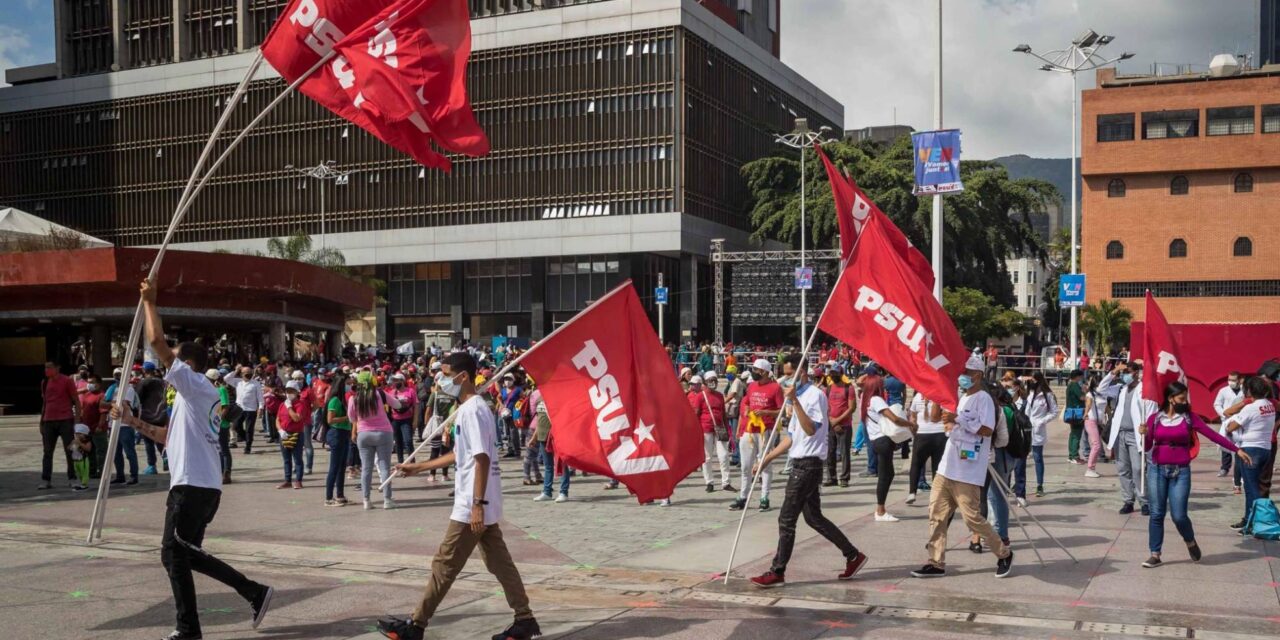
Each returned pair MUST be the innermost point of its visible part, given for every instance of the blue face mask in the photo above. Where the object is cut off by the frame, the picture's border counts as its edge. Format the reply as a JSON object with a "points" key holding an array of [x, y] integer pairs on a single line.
{"points": [[787, 383], [966, 383], [1127, 378]]}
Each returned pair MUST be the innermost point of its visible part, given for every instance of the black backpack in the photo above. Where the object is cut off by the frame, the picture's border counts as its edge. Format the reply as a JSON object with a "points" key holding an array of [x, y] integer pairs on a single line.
{"points": [[1019, 434]]}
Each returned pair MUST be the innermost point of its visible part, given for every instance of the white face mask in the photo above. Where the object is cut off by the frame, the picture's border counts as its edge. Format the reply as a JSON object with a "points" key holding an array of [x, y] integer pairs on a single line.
{"points": [[450, 386]]}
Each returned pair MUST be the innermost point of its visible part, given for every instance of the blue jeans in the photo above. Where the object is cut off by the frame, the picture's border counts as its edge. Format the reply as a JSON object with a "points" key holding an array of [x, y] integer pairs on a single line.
{"points": [[402, 432], [151, 447], [1019, 468], [127, 449], [310, 446], [339, 445], [996, 501], [1037, 454], [1250, 473], [860, 437], [292, 462], [1168, 486], [549, 471]]}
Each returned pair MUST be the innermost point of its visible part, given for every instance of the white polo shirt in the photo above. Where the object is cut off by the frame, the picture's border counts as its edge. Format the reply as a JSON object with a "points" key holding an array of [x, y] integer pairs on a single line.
{"points": [[813, 402], [967, 454]]}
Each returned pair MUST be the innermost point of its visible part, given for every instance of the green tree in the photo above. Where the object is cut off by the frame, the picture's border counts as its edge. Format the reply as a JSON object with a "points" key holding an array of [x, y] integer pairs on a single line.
{"points": [[1105, 325], [983, 225], [978, 318], [298, 247], [1058, 262]]}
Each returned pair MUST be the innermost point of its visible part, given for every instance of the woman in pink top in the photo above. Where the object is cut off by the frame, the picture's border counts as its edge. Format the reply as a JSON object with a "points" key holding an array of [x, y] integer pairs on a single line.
{"points": [[1169, 435], [367, 408]]}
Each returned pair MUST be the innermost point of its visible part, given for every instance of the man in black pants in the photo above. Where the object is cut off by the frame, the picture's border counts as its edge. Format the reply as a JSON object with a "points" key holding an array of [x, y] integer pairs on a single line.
{"points": [[806, 443], [195, 486], [842, 401]]}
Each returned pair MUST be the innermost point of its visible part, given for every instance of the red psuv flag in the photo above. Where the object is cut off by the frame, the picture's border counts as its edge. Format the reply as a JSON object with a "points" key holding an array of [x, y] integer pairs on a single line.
{"points": [[1163, 363], [307, 33], [880, 306], [615, 405], [854, 209], [411, 64]]}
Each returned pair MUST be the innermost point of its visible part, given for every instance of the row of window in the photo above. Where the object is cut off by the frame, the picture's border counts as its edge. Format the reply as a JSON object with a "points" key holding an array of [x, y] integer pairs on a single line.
{"points": [[1181, 186], [1031, 277], [1185, 123], [1241, 248], [1197, 289]]}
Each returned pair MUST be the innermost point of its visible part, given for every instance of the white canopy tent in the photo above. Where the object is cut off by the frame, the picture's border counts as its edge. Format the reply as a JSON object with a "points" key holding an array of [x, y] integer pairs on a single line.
{"points": [[19, 227]]}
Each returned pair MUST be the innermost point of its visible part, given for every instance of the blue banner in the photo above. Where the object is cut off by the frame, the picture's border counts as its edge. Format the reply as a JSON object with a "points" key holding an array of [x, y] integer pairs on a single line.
{"points": [[804, 277], [1071, 290], [937, 160]]}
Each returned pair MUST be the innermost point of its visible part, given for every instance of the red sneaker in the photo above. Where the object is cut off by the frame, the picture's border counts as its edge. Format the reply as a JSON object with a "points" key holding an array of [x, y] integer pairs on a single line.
{"points": [[851, 567], [769, 580]]}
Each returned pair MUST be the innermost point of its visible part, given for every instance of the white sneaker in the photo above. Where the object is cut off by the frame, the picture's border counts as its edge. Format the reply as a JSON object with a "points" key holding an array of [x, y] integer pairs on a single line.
{"points": [[1022, 502], [562, 498], [665, 502], [367, 505], [542, 497], [1092, 474], [388, 504], [885, 517], [911, 498]]}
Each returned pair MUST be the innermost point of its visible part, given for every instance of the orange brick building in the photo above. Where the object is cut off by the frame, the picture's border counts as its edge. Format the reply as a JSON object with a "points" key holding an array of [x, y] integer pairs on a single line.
{"points": [[1182, 194]]}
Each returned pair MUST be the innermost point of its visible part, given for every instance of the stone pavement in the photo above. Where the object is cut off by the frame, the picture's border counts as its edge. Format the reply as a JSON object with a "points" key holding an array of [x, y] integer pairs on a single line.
{"points": [[601, 566]]}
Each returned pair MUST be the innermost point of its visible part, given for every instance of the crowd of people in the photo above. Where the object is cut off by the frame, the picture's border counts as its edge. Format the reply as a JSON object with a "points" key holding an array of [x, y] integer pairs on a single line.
{"points": [[831, 410]]}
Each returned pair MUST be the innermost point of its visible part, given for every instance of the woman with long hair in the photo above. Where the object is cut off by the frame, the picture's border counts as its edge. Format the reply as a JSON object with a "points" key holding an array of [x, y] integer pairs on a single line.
{"points": [[1095, 413], [1170, 437], [338, 437], [368, 410], [1042, 408]]}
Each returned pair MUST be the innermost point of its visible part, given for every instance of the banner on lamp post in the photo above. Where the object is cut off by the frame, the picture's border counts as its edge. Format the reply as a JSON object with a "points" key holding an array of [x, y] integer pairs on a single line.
{"points": [[937, 161]]}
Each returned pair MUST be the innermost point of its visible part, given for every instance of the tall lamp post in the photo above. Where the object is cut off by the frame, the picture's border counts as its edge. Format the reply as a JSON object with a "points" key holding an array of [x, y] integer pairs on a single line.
{"points": [[323, 171], [1082, 55], [802, 138]]}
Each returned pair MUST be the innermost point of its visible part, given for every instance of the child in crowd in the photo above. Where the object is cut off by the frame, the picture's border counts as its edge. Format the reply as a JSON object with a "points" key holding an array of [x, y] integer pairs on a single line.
{"points": [[81, 450]]}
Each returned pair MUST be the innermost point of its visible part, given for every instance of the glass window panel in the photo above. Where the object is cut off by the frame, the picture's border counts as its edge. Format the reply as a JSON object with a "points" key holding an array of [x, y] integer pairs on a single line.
{"points": [[484, 295], [513, 294], [553, 294], [499, 294], [583, 292], [420, 297]]}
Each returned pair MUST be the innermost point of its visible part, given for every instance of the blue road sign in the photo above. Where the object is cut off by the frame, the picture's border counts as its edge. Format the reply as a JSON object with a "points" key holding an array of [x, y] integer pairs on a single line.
{"points": [[1071, 290], [660, 295]]}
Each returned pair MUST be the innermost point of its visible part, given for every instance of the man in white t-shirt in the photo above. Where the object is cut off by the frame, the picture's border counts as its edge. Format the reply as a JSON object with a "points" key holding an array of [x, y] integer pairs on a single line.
{"points": [[477, 508], [195, 476], [1227, 397], [958, 485], [805, 443], [1251, 423]]}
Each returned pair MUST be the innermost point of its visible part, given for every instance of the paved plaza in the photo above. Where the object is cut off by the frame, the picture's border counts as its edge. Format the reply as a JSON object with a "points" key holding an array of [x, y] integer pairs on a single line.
{"points": [[603, 567]]}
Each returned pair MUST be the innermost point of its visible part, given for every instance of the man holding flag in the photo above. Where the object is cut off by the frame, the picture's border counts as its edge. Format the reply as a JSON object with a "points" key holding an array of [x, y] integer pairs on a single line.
{"points": [[477, 507]]}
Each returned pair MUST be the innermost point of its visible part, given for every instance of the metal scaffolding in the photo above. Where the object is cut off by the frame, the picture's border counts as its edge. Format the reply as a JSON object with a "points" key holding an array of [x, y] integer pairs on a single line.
{"points": [[719, 257]]}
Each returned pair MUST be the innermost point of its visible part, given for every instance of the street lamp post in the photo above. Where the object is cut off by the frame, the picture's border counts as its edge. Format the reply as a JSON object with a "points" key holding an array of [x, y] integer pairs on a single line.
{"points": [[1082, 55], [802, 138], [323, 171]]}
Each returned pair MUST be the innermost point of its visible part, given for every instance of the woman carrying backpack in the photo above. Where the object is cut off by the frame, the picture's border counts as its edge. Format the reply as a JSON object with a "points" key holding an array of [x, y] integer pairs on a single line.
{"points": [[1042, 408], [1170, 437]]}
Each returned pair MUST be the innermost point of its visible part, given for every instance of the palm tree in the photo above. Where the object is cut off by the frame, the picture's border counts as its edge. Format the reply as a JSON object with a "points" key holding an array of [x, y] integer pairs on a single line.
{"points": [[1105, 324]]}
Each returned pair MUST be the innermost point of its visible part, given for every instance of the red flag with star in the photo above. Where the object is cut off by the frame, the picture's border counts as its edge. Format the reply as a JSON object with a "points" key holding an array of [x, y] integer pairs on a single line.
{"points": [[615, 405]]}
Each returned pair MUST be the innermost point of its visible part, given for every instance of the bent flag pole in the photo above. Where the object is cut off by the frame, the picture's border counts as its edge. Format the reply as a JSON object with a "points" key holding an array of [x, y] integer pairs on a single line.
{"points": [[1163, 365]]}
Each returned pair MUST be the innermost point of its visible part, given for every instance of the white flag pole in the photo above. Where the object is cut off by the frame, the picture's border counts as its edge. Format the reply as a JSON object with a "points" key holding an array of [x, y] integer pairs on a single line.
{"points": [[508, 367], [95, 528], [95, 525]]}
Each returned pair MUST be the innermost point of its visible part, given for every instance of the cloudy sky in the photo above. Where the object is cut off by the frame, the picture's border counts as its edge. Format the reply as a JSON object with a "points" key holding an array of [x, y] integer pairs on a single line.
{"points": [[877, 55]]}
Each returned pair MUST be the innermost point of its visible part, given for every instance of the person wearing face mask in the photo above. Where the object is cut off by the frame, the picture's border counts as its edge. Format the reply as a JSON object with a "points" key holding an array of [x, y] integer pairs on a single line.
{"points": [[508, 396], [1252, 422], [91, 414], [402, 418], [1132, 411], [963, 472], [339, 440], [1170, 435], [439, 406], [708, 407], [760, 406], [1042, 408], [59, 413], [1227, 397]]}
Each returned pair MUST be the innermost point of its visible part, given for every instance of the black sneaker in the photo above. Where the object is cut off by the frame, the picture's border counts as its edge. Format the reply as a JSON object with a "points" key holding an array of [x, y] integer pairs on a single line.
{"points": [[1004, 566], [1146, 510], [829, 483], [115, 480], [711, 487], [1126, 509], [1194, 550], [520, 630], [738, 504], [929, 571], [1238, 526], [1152, 562], [261, 604], [179, 635], [132, 481], [398, 629]]}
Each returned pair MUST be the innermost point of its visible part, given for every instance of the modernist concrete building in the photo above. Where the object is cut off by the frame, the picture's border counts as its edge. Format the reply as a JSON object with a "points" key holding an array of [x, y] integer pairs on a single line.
{"points": [[618, 131]]}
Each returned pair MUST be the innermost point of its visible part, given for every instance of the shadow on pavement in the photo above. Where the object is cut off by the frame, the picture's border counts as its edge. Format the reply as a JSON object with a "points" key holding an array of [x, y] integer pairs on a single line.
{"points": [[226, 608]]}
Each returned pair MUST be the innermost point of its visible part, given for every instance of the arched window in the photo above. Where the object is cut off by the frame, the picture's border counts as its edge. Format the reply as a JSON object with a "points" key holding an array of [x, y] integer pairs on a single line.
{"points": [[1179, 186], [1178, 248], [1115, 188], [1244, 183], [1243, 247], [1115, 250]]}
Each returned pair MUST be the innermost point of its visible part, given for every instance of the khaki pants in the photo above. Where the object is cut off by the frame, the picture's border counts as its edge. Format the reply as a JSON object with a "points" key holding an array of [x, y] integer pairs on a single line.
{"points": [[946, 497], [459, 541]]}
